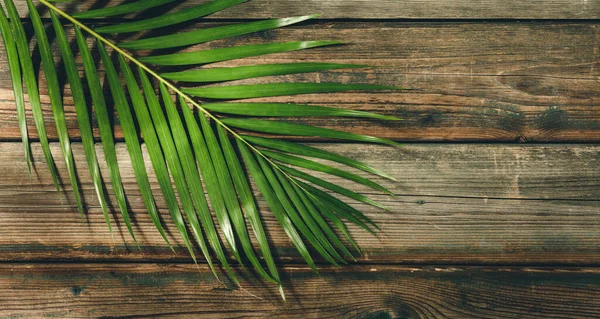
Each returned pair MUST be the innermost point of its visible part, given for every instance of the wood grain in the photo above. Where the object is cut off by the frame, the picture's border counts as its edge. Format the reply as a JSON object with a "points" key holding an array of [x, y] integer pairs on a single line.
{"points": [[454, 204], [385, 9], [469, 82], [475, 230], [183, 291]]}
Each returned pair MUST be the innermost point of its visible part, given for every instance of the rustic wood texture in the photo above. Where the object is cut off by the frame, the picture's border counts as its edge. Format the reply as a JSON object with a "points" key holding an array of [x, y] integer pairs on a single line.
{"points": [[183, 291], [469, 203], [387, 9], [475, 230], [469, 82]]}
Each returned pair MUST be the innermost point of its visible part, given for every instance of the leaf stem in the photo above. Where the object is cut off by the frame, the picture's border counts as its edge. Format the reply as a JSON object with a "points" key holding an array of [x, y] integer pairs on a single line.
{"points": [[167, 83]]}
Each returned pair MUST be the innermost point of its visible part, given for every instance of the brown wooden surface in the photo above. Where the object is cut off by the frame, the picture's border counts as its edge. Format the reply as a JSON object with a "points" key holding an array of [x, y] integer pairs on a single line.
{"points": [[470, 82], [474, 204], [183, 291], [388, 9], [501, 230]]}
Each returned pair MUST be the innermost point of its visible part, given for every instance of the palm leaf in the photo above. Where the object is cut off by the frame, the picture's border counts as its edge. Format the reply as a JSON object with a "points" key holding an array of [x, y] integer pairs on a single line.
{"points": [[276, 89], [252, 71], [172, 158], [248, 204], [328, 213], [286, 128], [229, 194], [332, 187], [300, 149], [260, 177], [172, 18], [55, 100], [222, 214], [337, 206], [209, 34], [288, 110], [155, 153], [196, 151], [314, 166], [32, 88], [320, 220], [131, 139], [224, 54], [83, 117], [104, 125], [300, 215], [15, 75], [121, 9], [192, 176]]}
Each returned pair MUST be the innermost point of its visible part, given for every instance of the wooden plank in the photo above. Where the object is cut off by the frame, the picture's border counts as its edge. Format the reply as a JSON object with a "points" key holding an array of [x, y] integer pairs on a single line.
{"points": [[471, 82], [183, 291], [454, 204], [386, 9]]}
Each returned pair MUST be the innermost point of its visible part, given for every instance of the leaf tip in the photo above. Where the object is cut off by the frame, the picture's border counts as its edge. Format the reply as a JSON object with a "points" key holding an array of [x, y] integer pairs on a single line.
{"points": [[310, 44], [393, 143], [388, 118], [281, 293], [390, 88], [362, 66]]}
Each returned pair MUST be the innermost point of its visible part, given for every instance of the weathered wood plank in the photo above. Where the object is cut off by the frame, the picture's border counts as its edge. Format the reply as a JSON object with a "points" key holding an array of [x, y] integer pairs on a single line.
{"points": [[387, 9], [454, 204], [183, 291], [471, 82]]}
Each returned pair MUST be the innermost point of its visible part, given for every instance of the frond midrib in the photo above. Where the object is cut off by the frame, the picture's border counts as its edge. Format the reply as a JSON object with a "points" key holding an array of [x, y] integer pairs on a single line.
{"points": [[172, 87]]}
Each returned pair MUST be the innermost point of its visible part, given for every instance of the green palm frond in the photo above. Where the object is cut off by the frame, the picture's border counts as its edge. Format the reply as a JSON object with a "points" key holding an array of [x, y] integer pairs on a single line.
{"points": [[195, 144], [29, 77]]}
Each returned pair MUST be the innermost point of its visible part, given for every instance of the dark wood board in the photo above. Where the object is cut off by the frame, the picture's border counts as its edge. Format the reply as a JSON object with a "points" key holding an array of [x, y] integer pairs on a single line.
{"points": [[383, 9], [184, 291], [468, 82]]}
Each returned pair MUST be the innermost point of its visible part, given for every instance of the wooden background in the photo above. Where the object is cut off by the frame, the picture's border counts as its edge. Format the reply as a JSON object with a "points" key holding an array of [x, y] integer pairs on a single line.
{"points": [[496, 215]]}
